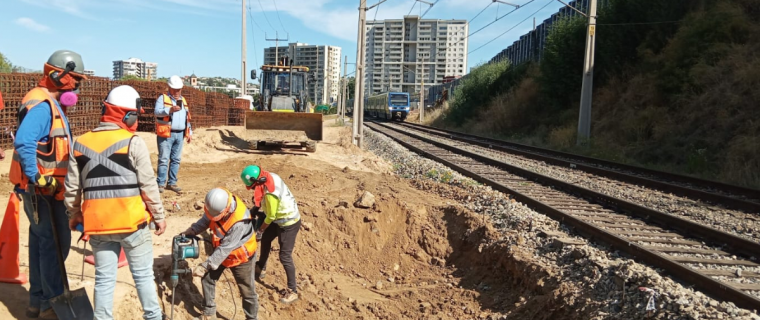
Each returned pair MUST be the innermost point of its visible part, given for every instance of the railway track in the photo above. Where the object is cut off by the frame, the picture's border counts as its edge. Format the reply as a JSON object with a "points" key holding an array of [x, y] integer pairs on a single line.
{"points": [[718, 263], [726, 195]]}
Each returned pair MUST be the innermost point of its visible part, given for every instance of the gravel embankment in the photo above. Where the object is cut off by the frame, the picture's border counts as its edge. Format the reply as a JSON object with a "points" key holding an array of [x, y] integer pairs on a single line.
{"points": [[613, 283], [743, 224]]}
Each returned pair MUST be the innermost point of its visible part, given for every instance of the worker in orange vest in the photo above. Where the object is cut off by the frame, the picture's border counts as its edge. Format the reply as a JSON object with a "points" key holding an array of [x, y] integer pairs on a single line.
{"points": [[172, 129], [234, 242], [111, 191], [40, 160]]}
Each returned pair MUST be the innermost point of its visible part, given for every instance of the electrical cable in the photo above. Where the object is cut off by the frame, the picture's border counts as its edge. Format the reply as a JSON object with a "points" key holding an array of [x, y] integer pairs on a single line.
{"points": [[265, 16], [490, 23], [510, 29], [278, 16]]}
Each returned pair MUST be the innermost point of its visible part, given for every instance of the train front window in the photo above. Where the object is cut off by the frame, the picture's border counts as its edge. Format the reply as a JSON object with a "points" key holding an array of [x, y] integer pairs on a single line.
{"points": [[399, 100]]}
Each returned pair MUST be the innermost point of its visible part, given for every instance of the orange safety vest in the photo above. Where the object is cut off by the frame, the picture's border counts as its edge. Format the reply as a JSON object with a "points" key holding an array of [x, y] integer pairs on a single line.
{"points": [[53, 154], [164, 124], [219, 230], [112, 202]]}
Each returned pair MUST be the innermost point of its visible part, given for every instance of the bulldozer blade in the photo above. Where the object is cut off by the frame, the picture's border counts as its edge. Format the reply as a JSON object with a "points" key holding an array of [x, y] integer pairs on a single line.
{"points": [[283, 126]]}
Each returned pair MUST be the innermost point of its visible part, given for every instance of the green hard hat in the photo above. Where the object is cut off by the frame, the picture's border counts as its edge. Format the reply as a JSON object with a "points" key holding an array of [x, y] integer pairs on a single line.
{"points": [[250, 173]]}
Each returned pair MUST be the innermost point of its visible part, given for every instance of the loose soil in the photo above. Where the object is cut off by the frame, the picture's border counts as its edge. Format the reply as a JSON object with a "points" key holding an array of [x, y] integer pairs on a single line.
{"points": [[413, 255]]}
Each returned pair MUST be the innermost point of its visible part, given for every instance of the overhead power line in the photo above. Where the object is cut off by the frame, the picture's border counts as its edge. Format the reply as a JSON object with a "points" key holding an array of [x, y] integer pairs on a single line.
{"points": [[481, 11], [253, 36], [510, 29], [490, 23], [265, 16], [278, 16], [637, 23]]}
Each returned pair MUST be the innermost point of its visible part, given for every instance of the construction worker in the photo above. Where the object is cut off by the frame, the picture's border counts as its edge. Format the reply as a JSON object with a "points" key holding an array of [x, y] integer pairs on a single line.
{"points": [[282, 221], [234, 242], [111, 191], [38, 168], [172, 129]]}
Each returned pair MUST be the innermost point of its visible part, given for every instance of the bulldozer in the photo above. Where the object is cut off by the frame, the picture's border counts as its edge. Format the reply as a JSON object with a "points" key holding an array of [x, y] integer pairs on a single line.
{"points": [[281, 117]]}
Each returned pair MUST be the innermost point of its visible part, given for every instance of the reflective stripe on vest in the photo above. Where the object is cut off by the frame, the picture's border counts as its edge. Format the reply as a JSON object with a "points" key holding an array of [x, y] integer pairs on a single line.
{"points": [[112, 202], [288, 202], [219, 230], [53, 154], [164, 124]]}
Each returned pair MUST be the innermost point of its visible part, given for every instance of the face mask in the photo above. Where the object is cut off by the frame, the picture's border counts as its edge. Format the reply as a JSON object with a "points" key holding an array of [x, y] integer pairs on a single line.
{"points": [[68, 99]]}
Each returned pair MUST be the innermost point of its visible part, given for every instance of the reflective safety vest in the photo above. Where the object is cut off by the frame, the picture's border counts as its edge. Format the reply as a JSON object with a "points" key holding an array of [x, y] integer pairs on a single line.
{"points": [[219, 230], [53, 154], [164, 124], [112, 202], [287, 212]]}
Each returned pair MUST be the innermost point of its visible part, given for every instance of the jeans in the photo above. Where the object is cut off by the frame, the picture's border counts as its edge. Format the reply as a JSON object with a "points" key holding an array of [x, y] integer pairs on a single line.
{"points": [[169, 156], [243, 275], [138, 249], [45, 280], [286, 237]]}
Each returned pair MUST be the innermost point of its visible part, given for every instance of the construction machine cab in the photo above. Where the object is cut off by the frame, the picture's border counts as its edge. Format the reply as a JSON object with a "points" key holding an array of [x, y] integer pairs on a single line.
{"points": [[283, 87]]}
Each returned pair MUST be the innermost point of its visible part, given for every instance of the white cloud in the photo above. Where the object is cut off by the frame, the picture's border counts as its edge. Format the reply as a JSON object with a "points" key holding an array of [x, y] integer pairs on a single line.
{"points": [[32, 25]]}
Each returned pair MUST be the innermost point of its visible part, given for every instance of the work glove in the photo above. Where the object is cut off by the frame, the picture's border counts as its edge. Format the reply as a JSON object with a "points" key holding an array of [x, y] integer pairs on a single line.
{"points": [[258, 235], [189, 232], [46, 182], [199, 271]]}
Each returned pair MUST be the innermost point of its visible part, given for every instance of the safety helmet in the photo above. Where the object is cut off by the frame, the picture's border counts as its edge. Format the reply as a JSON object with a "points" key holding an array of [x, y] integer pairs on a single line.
{"points": [[175, 82], [68, 60], [217, 204], [124, 97], [250, 175]]}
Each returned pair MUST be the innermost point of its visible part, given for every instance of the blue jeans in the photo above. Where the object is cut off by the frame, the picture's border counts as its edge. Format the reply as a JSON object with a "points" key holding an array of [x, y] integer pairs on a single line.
{"points": [[138, 248], [45, 280], [169, 149]]}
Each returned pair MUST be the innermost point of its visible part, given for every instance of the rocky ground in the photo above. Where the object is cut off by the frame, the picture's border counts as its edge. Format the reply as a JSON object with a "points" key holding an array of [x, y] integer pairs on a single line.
{"points": [[432, 245]]}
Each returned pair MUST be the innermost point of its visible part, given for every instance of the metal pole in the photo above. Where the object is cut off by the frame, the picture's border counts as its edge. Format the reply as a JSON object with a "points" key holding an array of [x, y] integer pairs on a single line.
{"points": [[316, 81], [343, 91], [359, 82], [242, 59], [422, 98], [584, 117]]}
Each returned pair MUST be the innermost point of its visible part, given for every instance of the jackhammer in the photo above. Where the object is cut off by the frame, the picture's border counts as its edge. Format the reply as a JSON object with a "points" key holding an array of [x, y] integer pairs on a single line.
{"points": [[183, 247]]}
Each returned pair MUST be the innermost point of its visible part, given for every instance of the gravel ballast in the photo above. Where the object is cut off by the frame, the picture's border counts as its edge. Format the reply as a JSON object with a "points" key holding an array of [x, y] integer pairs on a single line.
{"points": [[613, 286]]}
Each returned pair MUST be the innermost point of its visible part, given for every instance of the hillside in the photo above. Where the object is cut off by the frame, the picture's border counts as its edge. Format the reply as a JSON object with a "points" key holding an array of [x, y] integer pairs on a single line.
{"points": [[676, 88]]}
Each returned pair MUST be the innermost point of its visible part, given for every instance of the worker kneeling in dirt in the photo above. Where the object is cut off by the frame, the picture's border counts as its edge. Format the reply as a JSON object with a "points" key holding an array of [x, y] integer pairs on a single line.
{"points": [[234, 242], [282, 221]]}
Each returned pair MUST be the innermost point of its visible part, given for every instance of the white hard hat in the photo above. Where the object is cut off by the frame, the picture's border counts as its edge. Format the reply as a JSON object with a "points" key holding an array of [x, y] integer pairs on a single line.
{"points": [[175, 82], [218, 204], [124, 97]]}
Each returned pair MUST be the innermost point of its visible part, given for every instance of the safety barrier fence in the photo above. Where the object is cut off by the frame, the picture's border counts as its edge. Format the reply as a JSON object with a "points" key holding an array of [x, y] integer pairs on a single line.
{"points": [[207, 108]]}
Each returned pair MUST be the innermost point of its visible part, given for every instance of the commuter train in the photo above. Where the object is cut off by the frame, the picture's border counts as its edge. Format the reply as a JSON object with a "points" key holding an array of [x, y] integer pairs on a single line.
{"points": [[389, 106]]}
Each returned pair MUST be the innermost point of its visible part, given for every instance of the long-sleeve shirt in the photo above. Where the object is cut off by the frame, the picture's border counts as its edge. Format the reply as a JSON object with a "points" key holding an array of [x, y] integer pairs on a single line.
{"points": [[139, 156], [179, 118], [237, 236], [33, 129]]}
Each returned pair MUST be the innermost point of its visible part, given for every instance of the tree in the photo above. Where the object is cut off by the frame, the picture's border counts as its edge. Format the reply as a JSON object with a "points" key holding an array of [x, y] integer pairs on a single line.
{"points": [[351, 87], [132, 77], [5, 64]]}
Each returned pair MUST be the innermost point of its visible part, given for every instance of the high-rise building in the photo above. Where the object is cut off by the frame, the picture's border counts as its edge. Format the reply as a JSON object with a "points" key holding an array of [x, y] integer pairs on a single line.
{"points": [[402, 53], [89, 73], [323, 61], [135, 67]]}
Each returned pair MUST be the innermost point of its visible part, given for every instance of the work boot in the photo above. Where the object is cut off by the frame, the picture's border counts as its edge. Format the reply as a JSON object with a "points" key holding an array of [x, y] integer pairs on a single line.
{"points": [[161, 189], [32, 312], [174, 188], [289, 296], [48, 314], [260, 273], [205, 317]]}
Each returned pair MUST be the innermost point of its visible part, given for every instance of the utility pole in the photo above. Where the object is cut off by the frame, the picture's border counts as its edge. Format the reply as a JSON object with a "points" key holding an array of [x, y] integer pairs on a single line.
{"points": [[584, 117], [276, 45], [343, 91], [358, 129], [422, 98], [242, 57], [316, 70]]}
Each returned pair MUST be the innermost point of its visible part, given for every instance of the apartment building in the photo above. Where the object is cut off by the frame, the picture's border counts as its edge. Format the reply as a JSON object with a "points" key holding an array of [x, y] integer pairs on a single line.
{"points": [[135, 67], [324, 61], [401, 54]]}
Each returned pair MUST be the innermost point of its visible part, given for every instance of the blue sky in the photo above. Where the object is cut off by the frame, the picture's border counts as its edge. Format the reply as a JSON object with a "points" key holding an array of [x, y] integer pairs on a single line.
{"points": [[203, 36]]}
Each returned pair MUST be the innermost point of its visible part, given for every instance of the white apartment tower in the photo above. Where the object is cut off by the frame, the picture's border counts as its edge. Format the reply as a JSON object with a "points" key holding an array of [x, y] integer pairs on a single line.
{"points": [[402, 53], [135, 67], [323, 61]]}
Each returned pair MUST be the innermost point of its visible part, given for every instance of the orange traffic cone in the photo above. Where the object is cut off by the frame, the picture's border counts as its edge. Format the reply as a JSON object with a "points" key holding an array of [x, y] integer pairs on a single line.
{"points": [[9, 268], [122, 259]]}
